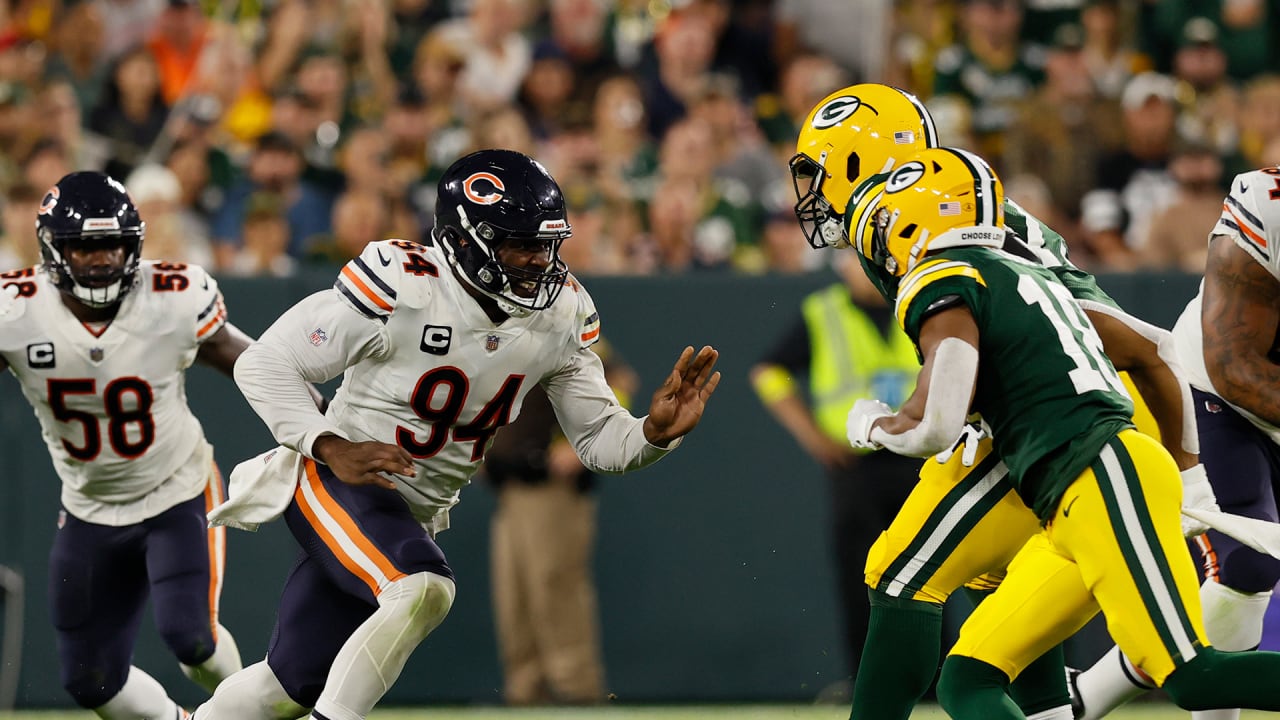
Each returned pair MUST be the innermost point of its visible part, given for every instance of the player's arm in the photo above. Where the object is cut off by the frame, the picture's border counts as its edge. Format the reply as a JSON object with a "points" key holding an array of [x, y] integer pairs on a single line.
{"points": [[773, 379], [1239, 318], [934, 416], [222, 348], [1146, 353], [315, 341]]}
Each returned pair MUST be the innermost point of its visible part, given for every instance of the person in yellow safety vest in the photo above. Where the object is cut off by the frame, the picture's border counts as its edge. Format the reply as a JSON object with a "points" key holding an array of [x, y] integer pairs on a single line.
{"points": [[848, 346]]}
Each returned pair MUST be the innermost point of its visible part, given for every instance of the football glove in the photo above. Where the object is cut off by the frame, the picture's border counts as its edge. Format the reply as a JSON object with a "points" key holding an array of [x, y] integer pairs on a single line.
{"points": [[862, 416], [1197, 494], [970, 438]]}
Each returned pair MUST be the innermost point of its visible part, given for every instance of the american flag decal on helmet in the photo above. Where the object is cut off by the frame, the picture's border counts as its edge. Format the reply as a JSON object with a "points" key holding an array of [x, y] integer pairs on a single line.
{"points": [[949, 208], [904, 137]]}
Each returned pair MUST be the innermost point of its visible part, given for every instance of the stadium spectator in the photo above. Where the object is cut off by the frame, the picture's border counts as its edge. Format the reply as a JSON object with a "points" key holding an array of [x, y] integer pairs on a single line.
{"points": [[157, 192], [988, 72], [498, 55], [675, 70], [1259, 124], [131, 112], [577, 32], [1109, 56], [18, 245], [852, 34], [126, 25], [275, 166], [1133, 183], [77, 52], [1063, 129], [804, 81], [1177, 238], [1208, 98], [264, 250], [359, 218], [177, 42]]}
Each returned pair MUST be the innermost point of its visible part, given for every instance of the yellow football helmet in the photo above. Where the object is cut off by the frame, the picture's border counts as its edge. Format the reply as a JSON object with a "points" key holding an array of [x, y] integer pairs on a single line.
{"points": [[851, 135], [939, 198]]}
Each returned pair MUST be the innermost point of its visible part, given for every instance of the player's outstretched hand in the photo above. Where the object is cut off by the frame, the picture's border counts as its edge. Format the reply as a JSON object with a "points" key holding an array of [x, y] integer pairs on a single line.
{"points": [[363, 463], [677, 406]]}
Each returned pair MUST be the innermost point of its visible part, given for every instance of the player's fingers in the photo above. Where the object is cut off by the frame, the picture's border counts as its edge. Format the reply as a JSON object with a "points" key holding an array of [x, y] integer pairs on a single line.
{"points": [[699, 363], [682, 362], [705, 362], [381, 481], [710, 387]]}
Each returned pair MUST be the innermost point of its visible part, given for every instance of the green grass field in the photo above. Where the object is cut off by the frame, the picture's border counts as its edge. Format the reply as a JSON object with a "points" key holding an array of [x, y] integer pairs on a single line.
{"points": [[1148, 711]]}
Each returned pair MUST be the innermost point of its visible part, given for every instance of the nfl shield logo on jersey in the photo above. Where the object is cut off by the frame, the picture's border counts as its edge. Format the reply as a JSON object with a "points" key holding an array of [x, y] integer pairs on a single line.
{"points": [[317, 337], [95, 354], [491, 342]]}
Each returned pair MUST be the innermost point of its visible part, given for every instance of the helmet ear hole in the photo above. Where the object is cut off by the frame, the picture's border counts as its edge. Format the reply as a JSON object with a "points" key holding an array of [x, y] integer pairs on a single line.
{"points": [[853, 170], [908, 231]]}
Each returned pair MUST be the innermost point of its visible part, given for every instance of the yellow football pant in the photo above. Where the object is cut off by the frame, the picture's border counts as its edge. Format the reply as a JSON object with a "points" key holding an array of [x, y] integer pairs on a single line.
{"points": [[1114, 543], [959, 523]]}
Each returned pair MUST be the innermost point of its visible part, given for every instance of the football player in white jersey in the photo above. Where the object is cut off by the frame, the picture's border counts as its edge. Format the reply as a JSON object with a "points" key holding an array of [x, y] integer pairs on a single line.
{"points": [[437, 344], [1226, 340], [100, 342]]}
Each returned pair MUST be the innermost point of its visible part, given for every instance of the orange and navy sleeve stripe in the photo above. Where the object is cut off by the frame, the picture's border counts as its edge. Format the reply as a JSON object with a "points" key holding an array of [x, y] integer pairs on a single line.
{"points": [[369, 294], [211, 319], [590, 329], [1237, 217]]}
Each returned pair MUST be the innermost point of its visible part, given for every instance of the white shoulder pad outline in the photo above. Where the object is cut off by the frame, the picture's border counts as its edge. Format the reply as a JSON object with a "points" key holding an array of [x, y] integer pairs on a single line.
{"points": [[211, 311], [16, 285], [1251, 216], [586, 317], [370, 282]]}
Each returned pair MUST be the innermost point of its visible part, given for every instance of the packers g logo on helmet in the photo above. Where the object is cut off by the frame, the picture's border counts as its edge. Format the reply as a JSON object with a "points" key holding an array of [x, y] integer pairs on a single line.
{"points": [[940, 198], [830, 113], [852, 134]]}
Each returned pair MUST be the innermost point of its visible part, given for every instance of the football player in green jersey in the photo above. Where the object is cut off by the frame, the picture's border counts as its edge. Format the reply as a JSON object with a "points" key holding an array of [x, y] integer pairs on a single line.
{"points": [[1001, 336], [962, 523]]}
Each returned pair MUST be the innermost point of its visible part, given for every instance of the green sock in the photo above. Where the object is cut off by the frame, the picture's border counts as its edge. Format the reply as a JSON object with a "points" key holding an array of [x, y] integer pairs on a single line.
{"points": [[1043, 684], [899, 659], [974, 690], [1216, 679]]}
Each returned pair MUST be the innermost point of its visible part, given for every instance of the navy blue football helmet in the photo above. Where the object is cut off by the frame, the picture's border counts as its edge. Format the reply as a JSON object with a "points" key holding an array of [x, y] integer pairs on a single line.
{"points": [[85, 211], [491, 197]]}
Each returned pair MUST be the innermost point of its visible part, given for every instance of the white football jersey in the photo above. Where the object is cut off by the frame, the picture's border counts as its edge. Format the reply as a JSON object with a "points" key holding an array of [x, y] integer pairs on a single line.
{"points": [[112, 401], [1250, 217], [425, 368]]}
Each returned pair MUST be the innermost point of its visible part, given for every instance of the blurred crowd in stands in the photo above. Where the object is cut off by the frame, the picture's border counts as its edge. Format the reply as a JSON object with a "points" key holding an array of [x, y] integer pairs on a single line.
{"points": [[262, 136]]}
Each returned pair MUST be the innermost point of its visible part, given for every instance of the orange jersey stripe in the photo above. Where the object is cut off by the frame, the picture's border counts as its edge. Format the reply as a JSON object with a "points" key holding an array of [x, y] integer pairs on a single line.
{"points": [[1245, 228], [589, 335], [355, 280], [337, 512], [217, 318], [1211, 567], [327, 538], [217, 545]]}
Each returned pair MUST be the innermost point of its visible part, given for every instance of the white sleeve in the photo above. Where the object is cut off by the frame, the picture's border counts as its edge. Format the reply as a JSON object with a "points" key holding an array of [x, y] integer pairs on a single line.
{"points": [[211, 310], [607, 438], [314, 341], [1167, 351], [951, 380], [1250, 217]]}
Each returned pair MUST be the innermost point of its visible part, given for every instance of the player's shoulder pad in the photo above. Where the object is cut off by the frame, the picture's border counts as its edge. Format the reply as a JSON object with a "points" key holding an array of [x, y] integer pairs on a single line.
{"points": [[1251, 215], [586, 319], [371, 282], [926, 274], [16, 286], [199, 287]]}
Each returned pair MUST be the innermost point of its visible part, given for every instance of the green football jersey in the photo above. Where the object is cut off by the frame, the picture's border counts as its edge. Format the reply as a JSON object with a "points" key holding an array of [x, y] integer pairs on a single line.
{"points": [[1050, 395], [1029, 238]]}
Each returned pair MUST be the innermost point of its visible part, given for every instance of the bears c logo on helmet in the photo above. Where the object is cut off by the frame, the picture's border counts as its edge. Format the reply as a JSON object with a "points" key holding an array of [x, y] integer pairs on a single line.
{"points": [[483, 198], [50, 201], [836, 111]]}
